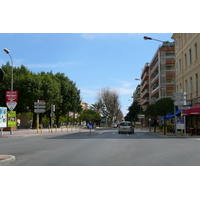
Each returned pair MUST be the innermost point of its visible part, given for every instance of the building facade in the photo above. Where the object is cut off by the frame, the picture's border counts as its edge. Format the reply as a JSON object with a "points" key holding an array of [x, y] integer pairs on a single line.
{"points": [[187, 58], [158, 76]]}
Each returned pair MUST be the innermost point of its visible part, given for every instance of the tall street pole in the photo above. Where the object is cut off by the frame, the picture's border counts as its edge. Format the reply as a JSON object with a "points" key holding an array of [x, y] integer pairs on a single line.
{"points": [[8, 52]]}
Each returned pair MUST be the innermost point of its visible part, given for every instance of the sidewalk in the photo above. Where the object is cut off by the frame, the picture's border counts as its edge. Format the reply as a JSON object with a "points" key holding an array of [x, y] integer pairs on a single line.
{"points": [[161, 133], [29, 133], [33, 132]]}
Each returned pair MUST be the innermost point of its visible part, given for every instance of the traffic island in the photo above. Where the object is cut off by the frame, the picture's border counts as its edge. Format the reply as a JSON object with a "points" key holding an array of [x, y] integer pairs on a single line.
{"points": [[5, 159]]}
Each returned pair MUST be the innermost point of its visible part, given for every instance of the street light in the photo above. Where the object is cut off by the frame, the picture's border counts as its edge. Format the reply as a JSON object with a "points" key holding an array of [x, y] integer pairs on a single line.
{"points": [[149, 38], [8, 52]]}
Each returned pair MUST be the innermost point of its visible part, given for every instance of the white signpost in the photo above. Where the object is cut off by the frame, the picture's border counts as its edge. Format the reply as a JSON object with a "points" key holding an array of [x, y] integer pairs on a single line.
{"points": [[180, 101], [39, 108]]}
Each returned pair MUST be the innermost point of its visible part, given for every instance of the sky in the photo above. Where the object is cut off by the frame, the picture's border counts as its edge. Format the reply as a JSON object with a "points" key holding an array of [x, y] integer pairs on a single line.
{"points": [[93, 61]]}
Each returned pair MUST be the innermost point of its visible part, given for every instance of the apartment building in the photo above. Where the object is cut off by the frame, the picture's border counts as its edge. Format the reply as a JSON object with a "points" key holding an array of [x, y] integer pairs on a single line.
{"points": [[158, 76], [187, 58], [145, 86]]}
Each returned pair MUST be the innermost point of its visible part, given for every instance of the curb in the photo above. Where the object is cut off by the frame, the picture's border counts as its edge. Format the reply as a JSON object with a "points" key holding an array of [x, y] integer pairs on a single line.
{"points": [[4, 159]]}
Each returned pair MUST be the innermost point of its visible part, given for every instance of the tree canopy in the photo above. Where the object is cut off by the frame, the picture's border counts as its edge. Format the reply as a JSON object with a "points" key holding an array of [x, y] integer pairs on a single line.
{"points": [[54, 89]]}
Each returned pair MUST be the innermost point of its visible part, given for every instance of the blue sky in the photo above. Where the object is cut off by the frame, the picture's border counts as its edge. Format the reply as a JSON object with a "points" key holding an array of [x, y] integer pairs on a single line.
{"points": [[93, 60]]}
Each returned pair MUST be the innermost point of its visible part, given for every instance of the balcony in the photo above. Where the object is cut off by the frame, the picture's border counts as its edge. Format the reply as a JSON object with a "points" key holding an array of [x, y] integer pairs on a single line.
{"points": [[154, 78], [145, 101], [154, 90]]}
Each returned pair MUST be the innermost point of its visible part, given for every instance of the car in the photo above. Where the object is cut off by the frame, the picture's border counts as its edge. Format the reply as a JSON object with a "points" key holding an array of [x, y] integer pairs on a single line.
{"points": [[114, 125], [126, 127]]}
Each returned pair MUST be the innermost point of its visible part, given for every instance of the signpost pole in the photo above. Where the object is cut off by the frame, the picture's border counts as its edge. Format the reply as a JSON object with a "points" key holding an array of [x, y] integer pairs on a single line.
{"points": [[39, 108]]}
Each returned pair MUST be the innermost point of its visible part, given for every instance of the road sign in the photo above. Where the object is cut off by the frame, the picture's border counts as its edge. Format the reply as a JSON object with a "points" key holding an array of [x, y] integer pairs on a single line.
{"points": [[39, 107], [180, 98], [183, 107], [141, 116], [180, 94], [11, 99], [39, 110], [180, 103], [39, 103]]}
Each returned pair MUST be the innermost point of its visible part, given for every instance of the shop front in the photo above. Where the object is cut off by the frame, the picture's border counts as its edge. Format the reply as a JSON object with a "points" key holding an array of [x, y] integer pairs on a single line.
{"points": [[192, 120]]}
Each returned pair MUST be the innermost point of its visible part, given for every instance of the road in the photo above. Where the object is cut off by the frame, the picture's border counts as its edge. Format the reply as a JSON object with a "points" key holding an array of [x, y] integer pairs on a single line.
{"points": [[102, 148]]}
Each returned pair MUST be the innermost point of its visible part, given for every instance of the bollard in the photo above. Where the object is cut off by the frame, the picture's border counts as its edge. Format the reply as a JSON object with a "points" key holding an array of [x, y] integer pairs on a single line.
{"points": [[40, 128]]}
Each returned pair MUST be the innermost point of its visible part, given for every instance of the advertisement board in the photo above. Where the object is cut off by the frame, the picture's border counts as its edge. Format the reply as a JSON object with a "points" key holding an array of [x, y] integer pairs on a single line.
{"points": [[11, 118], [180, 124], [3, 117]]}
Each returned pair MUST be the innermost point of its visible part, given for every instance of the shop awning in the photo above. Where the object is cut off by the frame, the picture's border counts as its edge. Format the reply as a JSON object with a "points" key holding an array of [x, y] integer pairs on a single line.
{"points": [[170, 115], [194, 110]]}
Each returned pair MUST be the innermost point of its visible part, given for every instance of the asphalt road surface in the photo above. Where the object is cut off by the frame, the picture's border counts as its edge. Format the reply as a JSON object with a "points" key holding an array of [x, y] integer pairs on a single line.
{"points": [[102, 148]]}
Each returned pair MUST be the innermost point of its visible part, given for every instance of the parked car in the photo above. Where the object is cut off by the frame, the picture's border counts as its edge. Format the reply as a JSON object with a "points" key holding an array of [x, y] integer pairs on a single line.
{"points": [[126, 127], [114, 125]]}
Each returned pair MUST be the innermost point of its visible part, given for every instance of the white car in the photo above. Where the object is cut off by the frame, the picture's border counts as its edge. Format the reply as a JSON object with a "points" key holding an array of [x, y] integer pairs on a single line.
{"points": [[113, 125], [126, 127]]}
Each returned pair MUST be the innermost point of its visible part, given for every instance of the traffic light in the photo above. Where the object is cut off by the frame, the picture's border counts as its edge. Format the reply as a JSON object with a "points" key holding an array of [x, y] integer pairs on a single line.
{"points": [[1, 75]]}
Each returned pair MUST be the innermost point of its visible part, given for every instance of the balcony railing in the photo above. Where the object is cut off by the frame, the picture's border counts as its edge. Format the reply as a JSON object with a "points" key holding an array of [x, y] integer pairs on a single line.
{"points": [[155, 89], [154, 78]]}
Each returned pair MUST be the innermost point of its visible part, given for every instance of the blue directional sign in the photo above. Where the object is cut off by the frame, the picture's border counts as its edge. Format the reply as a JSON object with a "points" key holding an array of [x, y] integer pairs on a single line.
{"points": [[90, 125]]}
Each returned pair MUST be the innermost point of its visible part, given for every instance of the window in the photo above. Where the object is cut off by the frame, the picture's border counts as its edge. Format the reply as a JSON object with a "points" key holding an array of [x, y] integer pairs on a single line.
{"points": [[190, 56], [185, 58], [191, 88], [180, 88], [197, 82], [179, 65], [195, 51], [186, 87], [176, 67], [184, 35], [179, 42]]}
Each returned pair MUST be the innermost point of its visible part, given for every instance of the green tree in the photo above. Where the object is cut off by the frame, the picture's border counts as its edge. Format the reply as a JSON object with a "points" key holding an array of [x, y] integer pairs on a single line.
{"points": [[153, 113], [163, 107], [90, 116], [133, 111]]}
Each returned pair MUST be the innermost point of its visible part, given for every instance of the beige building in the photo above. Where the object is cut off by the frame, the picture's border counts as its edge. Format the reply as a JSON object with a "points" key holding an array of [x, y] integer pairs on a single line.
{"points": [[187, 58]]}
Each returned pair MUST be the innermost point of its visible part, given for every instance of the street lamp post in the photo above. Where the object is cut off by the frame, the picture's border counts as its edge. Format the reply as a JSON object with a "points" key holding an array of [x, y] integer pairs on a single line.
{"points": [[149, 38], [8, 52]]}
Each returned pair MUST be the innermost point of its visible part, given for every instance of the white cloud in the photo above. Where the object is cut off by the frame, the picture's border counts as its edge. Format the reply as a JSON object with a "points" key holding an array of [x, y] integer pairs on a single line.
{"points": [[88, 92], [123, 83], [50, 66], [124, 91]]}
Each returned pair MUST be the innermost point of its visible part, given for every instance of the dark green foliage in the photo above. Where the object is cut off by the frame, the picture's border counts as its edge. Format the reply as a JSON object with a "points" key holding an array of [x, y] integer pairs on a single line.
{"points": [[53, 89]]}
